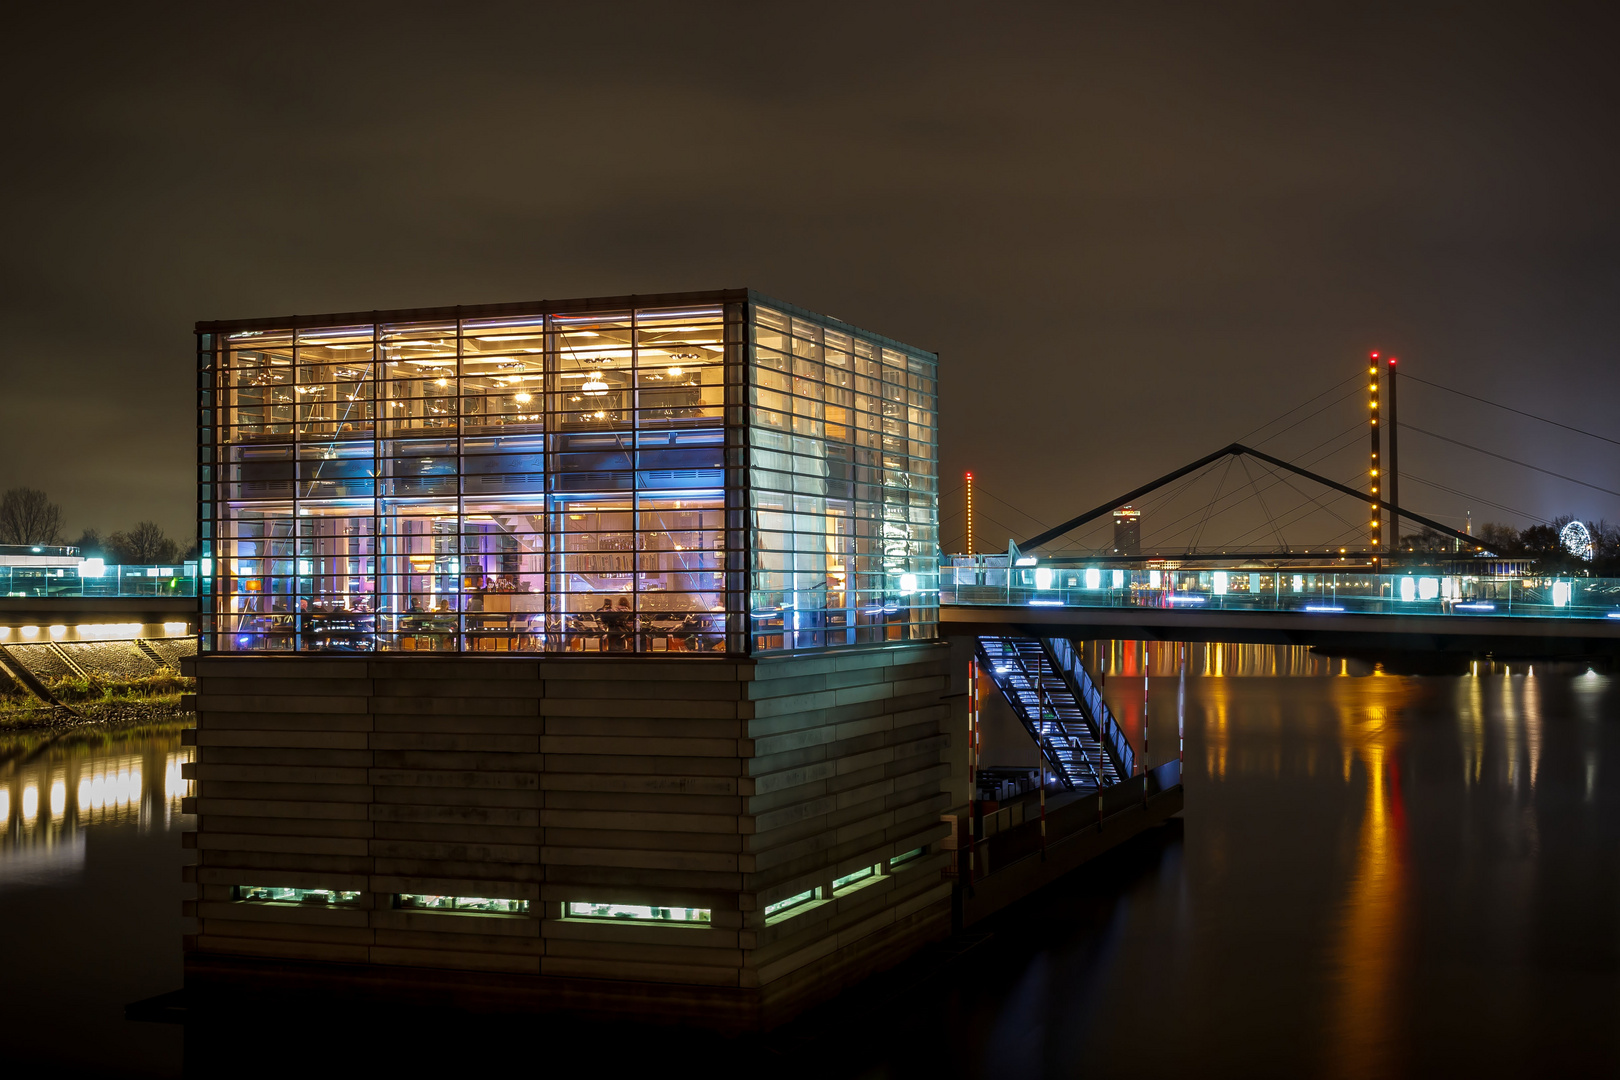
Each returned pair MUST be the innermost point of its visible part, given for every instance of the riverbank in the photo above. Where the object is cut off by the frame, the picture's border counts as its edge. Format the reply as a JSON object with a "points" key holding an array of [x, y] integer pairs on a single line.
{"points": [[94, 703]]}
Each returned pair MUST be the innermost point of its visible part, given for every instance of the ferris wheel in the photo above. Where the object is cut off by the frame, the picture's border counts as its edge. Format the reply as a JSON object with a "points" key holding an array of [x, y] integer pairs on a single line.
{"points": [[1576, 540]]}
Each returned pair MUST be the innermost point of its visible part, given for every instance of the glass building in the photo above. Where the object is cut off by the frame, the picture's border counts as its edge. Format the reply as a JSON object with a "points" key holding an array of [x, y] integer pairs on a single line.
{"points": [[703, 473]]}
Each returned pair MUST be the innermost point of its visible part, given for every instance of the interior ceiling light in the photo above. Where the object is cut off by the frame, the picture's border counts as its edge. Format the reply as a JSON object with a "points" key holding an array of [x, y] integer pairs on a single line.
{"points": [[594, 387], [522, 397]]}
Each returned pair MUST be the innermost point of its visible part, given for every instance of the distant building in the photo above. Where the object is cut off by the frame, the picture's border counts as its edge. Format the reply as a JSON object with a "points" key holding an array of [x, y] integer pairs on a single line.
{"points": [[1127, 531], [40, 556]]}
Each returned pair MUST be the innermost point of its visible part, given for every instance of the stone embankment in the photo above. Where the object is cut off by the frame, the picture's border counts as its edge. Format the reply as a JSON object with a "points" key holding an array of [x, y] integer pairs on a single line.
{"points": [[51, 684]]}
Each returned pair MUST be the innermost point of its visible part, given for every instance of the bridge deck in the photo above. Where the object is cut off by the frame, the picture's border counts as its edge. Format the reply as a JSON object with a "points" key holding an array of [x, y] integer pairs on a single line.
{"points": [[1350, 631]]}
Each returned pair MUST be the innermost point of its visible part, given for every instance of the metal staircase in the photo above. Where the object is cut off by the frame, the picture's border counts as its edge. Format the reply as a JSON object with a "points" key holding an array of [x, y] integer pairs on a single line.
{"points": [[1044, 696], [1065, 655]]}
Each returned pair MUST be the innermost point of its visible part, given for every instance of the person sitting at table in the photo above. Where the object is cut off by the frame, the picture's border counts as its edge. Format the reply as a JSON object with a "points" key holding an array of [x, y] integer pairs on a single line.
{"points": [[620, 624], [605, 624]]}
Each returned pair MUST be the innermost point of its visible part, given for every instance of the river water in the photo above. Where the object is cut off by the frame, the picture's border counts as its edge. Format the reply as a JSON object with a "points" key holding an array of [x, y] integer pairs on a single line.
{"points": [[1375, 875]]}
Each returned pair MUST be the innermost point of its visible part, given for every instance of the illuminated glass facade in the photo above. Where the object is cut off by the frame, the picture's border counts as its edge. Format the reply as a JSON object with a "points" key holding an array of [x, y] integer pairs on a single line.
{"points": [[701, 473]]}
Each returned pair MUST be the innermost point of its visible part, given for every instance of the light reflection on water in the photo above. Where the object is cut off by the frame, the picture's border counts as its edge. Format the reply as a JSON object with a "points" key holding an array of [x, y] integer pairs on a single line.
{"points": [[120, 784], [90, 896], [1378, 875]]}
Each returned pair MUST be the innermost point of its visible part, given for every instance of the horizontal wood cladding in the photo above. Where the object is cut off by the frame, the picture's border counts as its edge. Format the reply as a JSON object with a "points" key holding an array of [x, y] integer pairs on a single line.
{"points": [[710, 783]]}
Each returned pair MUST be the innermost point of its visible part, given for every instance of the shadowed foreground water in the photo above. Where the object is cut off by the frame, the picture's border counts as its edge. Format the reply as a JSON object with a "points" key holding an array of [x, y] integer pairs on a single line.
{"points": [[1374, 876]]}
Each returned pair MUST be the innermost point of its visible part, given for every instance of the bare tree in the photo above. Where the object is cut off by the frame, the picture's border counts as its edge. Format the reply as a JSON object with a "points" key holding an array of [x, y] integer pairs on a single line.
{"points": [[1605, 538], [1500, 539], [90, 542], [27, 516], [144, 544]]}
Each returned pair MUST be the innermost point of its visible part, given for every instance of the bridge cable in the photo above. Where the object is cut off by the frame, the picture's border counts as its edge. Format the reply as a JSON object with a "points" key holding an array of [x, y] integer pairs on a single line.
{"points": [[1233, 506], [1305, 509], [1302, 405], [1199, 535], [993, 521], [1513, 461], [1312, 416], [1476, 498], [1316, 503], [1309, 505], [1010, 506], [1260, 496], [1508, 408], [1159, 501], [1166, 500], [1355, 428], [1075, 541], [1234, 497], [1351, 531], [1167, 530]]}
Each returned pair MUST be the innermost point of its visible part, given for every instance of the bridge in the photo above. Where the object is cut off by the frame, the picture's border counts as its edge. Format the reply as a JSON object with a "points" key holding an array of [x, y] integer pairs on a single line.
{"points": [[1034, 617], [65, 617], [1463, 602]]}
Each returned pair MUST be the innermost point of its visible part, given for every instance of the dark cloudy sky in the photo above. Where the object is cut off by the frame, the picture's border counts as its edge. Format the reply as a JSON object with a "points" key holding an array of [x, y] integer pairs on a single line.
{"points": [[1133, 232]]}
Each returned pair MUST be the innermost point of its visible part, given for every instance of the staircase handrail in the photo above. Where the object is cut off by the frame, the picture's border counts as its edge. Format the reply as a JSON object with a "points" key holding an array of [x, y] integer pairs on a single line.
{"points": [[1107, 731]]}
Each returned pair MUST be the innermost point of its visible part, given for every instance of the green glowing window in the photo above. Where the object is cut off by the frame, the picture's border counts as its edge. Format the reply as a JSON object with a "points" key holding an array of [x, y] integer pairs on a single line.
{"points": [[638, 913], [790, 902], [850, 879], [905, 857], [482, 905], [271, 894]]}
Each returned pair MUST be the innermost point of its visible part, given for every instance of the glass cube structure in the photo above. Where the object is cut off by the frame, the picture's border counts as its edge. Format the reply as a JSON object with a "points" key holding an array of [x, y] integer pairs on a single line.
{"points": [[694, 473]]}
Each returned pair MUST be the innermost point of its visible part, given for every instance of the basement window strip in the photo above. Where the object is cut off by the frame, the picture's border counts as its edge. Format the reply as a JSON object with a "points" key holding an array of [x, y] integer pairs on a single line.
{"points": [[461, 905], [275, 894], [639, 913], [791, 902], [857, 880]]}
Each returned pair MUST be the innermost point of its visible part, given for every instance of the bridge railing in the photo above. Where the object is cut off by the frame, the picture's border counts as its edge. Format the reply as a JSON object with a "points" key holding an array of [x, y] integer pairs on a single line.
{"points": [[97, 580], [1360, 592]]}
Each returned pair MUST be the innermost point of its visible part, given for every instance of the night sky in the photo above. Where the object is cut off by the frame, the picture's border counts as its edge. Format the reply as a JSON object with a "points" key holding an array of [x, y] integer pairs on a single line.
{"points": [[1133, 233]]}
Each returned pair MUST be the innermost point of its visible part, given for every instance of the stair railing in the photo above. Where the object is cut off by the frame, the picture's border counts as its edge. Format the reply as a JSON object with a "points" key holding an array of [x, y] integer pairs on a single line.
{"points": [[1107, 730]]}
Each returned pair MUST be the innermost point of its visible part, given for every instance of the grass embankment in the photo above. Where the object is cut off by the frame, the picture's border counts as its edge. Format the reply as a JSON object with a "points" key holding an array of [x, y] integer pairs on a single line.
{"points": [[96, 698]]}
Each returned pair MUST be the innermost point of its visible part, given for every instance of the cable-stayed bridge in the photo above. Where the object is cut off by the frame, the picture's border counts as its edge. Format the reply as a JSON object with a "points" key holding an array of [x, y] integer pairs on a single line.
{"points": [[1359, 600], [1224, 560]]}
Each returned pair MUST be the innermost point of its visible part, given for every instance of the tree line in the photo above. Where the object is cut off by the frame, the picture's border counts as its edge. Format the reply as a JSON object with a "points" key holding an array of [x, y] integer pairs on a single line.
{"points": [[1541, 543], [27, 516]]}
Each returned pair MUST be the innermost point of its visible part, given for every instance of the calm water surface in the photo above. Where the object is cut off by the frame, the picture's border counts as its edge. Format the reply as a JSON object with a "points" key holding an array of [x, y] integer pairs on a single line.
{"points": [[90, 896], [1375, 876]]}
